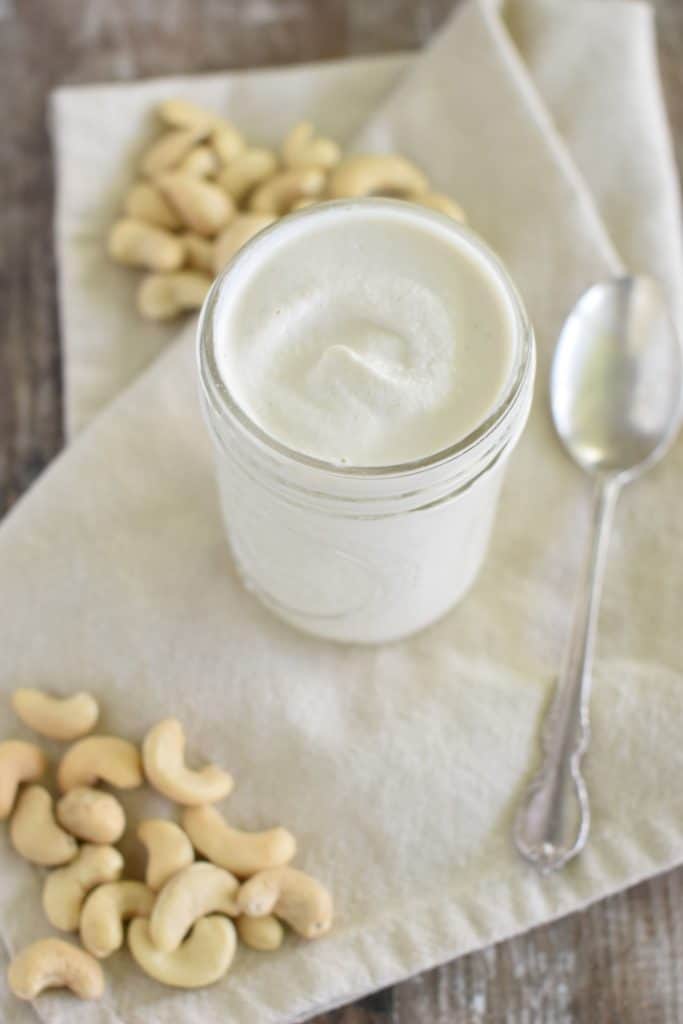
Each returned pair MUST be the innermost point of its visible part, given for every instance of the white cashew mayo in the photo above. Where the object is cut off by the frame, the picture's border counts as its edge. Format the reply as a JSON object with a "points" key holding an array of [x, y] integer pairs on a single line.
{"points": [[366, 369], [367, 338]]}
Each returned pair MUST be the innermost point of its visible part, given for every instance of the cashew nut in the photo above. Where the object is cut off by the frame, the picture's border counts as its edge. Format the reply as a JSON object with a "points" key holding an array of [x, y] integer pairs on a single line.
{"points": [[92, 815], [65, 889], [106, 758], [264, 934], [145, 202], [138, 244], [201, 205], [198, 252], [105, 910], [377, 175], [243, 853], [53, 963], [246, 171], [19, 762], [302, 148], [59, 718], [200, 161], [163, 752], [444, 204], [277, 194], [204, 957], [302, 204], [194, 892], [179, 113], [226, 141], [299, 900], [35, 834], [168, 850], [237, 234], [168, 151], [164, 296]]}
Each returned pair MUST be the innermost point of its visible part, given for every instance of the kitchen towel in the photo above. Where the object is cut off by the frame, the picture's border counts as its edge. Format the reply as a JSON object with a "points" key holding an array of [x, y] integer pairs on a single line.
{"points": [[399, 767]]}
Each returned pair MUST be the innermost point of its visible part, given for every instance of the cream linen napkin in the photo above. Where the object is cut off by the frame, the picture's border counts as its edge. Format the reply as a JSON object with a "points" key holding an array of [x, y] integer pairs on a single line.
{"points": [[399, 768]]}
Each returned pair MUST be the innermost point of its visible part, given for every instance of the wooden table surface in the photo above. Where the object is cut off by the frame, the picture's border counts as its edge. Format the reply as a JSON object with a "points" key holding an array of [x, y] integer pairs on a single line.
{"points": [[620, 961]]}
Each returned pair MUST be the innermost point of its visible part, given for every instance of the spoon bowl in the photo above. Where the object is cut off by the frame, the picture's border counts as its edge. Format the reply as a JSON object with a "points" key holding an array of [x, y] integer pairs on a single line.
{"points": [[617, 378]]}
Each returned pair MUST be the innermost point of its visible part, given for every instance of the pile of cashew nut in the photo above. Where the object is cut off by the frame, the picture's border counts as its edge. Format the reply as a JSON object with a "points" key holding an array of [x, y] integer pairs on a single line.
{"points": [[204, 191], [187, 915]]}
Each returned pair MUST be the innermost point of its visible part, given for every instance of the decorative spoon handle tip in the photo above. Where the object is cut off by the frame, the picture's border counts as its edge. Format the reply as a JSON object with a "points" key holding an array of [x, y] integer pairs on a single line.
{"points": [[553, 820]]}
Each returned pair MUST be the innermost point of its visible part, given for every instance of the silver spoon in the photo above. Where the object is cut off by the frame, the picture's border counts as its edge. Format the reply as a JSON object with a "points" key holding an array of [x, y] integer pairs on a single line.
{"points": [[616, 388]]}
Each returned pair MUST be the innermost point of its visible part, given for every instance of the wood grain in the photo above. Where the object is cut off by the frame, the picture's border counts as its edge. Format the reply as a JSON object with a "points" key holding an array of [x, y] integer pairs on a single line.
{"points": [[616, 963]]}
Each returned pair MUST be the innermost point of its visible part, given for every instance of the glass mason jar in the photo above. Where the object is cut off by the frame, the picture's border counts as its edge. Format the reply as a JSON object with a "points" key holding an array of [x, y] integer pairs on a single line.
{"points": [[361, 555]]}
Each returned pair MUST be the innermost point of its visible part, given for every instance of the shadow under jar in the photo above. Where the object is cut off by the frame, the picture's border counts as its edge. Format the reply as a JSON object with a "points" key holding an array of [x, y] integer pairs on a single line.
{"points": [[340, 548]]}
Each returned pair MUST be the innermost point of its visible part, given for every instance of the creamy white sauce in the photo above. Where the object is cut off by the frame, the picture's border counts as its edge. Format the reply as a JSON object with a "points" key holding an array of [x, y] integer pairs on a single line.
{"points": [[368, 335], [364, 335]]}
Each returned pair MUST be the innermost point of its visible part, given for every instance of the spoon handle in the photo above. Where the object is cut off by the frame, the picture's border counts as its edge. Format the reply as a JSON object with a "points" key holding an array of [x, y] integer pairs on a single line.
{"points": [[553, 820]]}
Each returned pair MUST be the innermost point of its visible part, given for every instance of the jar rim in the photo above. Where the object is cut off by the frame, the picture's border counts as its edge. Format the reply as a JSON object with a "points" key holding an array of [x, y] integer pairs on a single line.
{"points": [[223, 401]]}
